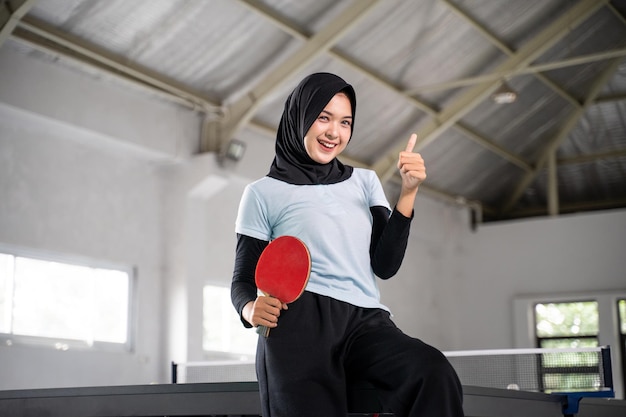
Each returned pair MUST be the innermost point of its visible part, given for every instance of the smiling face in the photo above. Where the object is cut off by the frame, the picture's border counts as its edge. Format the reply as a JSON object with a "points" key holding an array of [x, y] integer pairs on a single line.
{"points": [[330, 133]]}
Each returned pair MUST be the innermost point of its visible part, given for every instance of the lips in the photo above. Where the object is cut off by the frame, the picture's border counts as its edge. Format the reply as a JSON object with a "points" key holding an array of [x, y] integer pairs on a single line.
{"points": [[327, 145]]}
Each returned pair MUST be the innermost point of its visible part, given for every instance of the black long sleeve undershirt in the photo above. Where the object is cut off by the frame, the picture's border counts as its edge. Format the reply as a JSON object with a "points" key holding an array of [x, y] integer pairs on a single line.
{"points": [[388, 244], [390, 235], [243, 288]]}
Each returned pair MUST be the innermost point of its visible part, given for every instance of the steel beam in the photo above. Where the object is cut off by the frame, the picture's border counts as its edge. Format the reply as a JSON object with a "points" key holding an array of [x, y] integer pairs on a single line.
{"points": [[11, 12], [475, 95], [561, 135], [583, 159], [291, 29], [553, 185], [240, 112], [531, 69], [41, 35]]}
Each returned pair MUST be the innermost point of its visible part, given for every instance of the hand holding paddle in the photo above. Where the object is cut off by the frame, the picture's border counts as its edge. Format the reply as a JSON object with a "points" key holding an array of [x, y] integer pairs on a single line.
{"points": [[282, 271]]}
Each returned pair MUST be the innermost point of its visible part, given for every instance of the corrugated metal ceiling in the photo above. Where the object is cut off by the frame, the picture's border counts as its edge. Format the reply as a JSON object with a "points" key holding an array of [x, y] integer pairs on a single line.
{"points": [[427, 66]]}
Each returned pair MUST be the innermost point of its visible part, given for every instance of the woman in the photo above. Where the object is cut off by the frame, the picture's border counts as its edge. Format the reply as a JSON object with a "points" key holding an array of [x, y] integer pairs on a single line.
{"points": [[338, 331]]}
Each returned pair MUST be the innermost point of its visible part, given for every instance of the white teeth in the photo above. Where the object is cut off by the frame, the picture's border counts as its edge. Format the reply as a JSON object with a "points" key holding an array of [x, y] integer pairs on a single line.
{"points": [[328, 145]]}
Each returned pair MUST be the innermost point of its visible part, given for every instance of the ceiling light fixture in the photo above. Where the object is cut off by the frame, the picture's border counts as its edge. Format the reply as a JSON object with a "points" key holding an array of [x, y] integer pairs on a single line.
{"points": [[504, 94], [234, 151]]}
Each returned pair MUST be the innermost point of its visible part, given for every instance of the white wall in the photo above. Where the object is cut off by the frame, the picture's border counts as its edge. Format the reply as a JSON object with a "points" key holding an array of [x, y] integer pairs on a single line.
{"points": [[569, 254], [418, 294], [86, 184], [83, 175], [69, 199], [201, 201]]}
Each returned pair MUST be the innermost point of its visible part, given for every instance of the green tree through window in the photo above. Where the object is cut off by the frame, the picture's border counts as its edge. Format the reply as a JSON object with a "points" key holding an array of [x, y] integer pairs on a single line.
{"points": [[567, 325]]}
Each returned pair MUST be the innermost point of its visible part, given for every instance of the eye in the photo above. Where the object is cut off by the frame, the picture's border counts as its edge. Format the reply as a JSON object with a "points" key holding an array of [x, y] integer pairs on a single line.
{"points": [[323, 118], [347, 123]]}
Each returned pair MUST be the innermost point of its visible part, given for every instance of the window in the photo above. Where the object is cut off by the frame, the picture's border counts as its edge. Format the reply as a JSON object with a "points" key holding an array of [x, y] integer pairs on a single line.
{"points": [[621, 312], [567, 325], [223, 331], [580, 320], [65, 305]]}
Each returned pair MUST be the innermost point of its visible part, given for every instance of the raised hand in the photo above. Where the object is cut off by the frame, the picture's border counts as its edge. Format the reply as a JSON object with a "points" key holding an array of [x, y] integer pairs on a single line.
{"points": [[411, 166]]}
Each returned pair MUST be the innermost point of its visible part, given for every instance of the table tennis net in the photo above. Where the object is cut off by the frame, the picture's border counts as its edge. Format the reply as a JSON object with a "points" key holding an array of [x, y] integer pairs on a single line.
{"points": [[539, 370], [213, 371]]}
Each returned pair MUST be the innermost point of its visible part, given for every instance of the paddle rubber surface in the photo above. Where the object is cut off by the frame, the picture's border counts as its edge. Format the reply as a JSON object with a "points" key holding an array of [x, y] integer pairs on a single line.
{"points": [[283, 271]]}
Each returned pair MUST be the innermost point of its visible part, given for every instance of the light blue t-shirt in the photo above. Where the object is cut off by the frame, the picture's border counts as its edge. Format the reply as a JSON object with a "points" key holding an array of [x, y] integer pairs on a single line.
{"points": [[333, 220]]}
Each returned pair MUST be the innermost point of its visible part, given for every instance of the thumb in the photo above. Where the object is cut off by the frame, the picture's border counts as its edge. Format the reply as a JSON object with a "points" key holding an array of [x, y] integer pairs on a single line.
{"points": [[411, 144]]}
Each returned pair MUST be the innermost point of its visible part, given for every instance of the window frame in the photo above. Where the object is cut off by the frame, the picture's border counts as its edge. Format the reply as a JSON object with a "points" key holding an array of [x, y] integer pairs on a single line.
{"points": [[64, 344], [622, 339], [608, 335]]}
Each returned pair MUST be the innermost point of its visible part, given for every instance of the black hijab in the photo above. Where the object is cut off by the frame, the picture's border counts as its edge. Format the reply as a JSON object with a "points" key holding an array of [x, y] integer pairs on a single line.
{"points": [[292, 164]]}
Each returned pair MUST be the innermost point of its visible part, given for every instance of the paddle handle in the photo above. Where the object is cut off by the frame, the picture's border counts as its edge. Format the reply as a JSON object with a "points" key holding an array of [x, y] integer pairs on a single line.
{"points": [[263, 331]]}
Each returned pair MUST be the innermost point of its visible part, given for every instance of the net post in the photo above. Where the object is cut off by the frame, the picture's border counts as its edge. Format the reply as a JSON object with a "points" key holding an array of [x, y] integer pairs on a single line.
{"points": [[571, 404], [606, 364], [174, 372]]}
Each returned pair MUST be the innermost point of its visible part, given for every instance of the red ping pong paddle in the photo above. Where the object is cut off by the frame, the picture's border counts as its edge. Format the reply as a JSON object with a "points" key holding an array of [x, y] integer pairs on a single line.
{"points": [[283, 271]]}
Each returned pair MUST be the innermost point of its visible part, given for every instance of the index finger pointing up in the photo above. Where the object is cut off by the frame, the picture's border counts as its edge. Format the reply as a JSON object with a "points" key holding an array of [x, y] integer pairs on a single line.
{"points": [[411, 144]]}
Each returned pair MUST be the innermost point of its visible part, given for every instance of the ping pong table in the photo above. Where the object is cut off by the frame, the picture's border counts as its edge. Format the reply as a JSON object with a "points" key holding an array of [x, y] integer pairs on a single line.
{"points": [[529, 371], [234, 399]]}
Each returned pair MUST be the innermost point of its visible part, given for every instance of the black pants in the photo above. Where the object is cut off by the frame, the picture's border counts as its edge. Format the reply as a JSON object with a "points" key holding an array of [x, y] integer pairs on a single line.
{"points": [[322, 344]]}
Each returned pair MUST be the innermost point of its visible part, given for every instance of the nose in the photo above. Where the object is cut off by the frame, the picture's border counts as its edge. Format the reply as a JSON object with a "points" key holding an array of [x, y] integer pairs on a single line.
{"points": [[332, 131]]}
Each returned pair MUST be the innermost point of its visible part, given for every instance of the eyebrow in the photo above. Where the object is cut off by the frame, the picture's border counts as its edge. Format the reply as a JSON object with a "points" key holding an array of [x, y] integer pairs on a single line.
{"points": [[331, 114]]}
